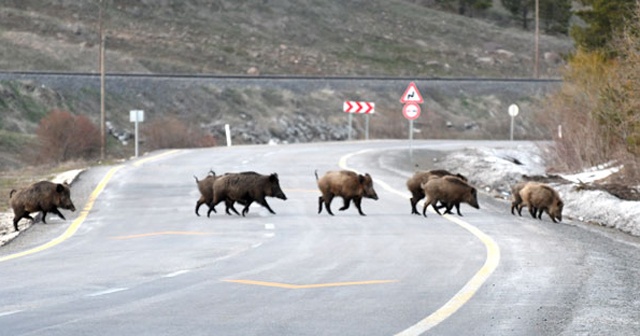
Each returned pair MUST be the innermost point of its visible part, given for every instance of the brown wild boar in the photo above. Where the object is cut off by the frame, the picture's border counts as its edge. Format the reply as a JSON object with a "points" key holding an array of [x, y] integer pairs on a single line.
{"points": [[541, 197], [246, 188], [414, 184], [205, 186], [346, 184], [42, 196], [448, 190]]}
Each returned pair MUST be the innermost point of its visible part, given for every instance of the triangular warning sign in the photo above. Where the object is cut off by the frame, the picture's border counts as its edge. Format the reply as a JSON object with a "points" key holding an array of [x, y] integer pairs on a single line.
{"points": [[411, 95]]}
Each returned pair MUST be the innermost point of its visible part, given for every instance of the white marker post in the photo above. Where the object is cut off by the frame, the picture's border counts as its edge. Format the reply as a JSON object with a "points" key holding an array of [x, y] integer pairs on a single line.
{"points": [[513, 112], [227, 132], [136, 116]]}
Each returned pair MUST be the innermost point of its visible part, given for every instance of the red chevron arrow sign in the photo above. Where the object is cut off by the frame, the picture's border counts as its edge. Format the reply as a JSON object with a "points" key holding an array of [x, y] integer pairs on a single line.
{"points": [[359, 107]]}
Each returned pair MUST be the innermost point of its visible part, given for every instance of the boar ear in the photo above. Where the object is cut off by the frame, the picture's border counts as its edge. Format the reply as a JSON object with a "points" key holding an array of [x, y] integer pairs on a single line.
{"points": [[360, 178], [273, 177], [59, 188]]}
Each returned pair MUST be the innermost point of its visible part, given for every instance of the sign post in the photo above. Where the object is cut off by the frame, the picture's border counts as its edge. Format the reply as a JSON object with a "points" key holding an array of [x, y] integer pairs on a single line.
{"points": [[411, 110], [513, 112], [136, 116], [360, 107]]}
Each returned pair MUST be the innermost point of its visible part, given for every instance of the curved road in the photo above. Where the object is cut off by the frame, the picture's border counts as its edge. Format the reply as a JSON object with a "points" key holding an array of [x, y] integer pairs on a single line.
{"points": [[138, 261]]}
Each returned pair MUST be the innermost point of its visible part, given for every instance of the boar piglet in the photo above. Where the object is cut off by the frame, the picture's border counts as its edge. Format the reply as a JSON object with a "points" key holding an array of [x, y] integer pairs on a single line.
{"points": [[448, 190], [246, 188], [42, 196], [414, 184], [346, 184]]}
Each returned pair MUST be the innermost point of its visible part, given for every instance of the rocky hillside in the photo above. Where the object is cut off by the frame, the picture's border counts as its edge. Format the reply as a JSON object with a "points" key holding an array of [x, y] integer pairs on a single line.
{"points": [[270, 37]]}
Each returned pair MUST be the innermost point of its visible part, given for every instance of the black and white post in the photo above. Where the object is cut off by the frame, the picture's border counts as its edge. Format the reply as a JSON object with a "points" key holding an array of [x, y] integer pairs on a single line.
{"points": [[136, 116]]}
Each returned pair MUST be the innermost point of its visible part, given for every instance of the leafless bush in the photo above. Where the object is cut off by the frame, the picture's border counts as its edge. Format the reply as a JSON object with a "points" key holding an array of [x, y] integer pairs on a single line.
{"points": [[170, 132], [63, 136]]}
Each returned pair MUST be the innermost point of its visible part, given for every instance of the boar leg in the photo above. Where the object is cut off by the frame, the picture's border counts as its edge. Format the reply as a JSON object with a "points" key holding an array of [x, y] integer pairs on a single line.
{"points": [[347, 203], [424, 208], [245, 210], [519, 208], [320, 202], [327, 203], [212, 206], [533, 212], [57, 212], [514, 205], [416, 197], [414, 202], [17, 219], [199, 203], [264, 203], [358, 201], [44, 215], [433, 204], [229, 206], [458, 209], [449, 207]]}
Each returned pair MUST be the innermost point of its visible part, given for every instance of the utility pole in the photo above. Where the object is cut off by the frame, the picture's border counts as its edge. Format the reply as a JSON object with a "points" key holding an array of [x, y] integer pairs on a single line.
{"points": [[101, 65], [536, 71]]}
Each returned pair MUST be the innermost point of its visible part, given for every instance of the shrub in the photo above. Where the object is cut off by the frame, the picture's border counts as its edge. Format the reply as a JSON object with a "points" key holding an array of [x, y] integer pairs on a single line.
{"points": [[63, 136], [597, 107], [170, 132]]}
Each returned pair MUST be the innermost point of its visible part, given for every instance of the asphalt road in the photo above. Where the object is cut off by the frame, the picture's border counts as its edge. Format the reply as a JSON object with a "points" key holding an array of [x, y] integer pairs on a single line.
{"points": [[138, 261]]}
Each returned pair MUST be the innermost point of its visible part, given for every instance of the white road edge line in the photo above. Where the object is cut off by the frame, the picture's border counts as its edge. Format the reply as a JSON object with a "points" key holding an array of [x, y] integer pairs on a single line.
{"points": [[10, 313], [469, 289], [107, 291], [176, 273]]}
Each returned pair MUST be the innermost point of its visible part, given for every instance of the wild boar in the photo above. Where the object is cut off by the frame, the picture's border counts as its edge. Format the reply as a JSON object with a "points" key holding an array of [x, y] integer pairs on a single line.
{"points": [[448, 190], [42, 196], [516, 200], [541, 197], [414, 184], [205, 186], [346, 184], [246, 188]]}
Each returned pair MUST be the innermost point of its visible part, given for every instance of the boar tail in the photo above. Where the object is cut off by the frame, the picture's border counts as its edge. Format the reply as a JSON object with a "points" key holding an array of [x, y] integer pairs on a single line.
{"points": [[195, 177], [316, 172], [11, 193]]}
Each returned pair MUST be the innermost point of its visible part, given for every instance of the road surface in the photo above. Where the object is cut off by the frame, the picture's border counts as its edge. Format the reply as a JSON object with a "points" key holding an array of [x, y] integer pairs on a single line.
{"points": [[138, 261]]}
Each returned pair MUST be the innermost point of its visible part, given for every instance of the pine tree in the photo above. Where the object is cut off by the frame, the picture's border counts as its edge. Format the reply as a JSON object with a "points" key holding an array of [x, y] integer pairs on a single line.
{"points": [[603, 18]]}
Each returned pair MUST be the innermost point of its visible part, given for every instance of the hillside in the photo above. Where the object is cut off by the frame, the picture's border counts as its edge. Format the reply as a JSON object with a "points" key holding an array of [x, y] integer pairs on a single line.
{"points": [[306, 37], [269, 37]]}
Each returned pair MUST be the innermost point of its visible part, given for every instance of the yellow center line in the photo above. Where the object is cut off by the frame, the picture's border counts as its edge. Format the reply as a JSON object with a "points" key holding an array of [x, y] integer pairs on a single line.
{"points": [[322, 285], [155, 157], [470, 288], [164, 233], [75, 225]]}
